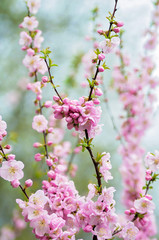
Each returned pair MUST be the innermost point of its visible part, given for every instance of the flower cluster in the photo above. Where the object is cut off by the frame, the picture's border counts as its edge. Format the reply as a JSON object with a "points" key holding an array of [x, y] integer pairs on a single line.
{"points": [[81, 115]]}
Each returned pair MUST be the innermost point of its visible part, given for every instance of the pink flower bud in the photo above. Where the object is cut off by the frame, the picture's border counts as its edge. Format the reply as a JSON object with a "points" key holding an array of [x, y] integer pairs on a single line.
{"points": [[20, 25], [56, 99], [38, 157], [15, 183], [7, 146], [100, 31], [45, 79], [132, 210], [28, 183], [116, 30], [48, 104], [98, 92], [127, 212], [4, 134], [55, 159], [120, 24], [39, 97], [101, 69], [37, 145], [50, 130], [88, 228], [51, 174], [49, 162], [101, 56], [96, 101], [149, 197], [24, 48], [148, 177], [11, 157], [148, 171], [49, 143]]}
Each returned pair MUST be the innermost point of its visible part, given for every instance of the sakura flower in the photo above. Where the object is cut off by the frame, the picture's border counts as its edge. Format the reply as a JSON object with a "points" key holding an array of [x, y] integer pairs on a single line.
{"points": [[3, 126], [30, 23], [35, 87], [41, 225], [38, 39], [105, 167], [152, 161], [25, 39], [39, 123], [33, 5], [144, 205], [103, 232], [109, 45], [31, 62], [12, 170], [129, 232]]}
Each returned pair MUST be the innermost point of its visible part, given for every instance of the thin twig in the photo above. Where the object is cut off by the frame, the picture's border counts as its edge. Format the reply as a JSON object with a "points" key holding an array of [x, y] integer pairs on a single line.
{"points": [[52, 81]]}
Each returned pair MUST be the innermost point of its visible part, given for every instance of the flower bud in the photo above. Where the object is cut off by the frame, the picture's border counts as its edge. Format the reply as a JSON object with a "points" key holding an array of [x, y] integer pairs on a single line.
{"points": [[28, 183]]}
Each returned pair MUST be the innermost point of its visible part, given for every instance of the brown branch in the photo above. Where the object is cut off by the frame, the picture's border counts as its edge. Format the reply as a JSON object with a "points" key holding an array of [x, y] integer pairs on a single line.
{"points": [[98, 175], [99, 62]]}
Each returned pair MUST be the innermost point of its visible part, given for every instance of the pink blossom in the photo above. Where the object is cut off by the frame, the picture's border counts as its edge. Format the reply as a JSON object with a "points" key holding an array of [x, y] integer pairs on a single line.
{"points": [[33, 5], [30, 23], [41, 225], [12, 170], [25, 39], [129, 232], [38, 39], [38, 199], [105, 167], [109, 45], [39, 123], [152, 161], [3, 127], [103, 232], [144, 205]]}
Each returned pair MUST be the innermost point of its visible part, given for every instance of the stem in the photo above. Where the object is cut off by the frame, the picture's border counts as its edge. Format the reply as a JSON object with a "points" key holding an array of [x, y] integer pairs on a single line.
{"points": [[94, 78], [44, 135], [147, 187], [23, 190], [111, 23], [4, 156], [52, 81], [99, 62], [98, 175]]}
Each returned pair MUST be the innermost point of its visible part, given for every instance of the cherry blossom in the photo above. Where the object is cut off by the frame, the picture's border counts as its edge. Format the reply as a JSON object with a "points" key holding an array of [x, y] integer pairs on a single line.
{"points": [[12, 170]]}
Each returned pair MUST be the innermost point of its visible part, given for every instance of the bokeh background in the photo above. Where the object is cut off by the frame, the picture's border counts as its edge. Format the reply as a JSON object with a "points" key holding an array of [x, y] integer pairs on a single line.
{"points": [[65, 25]]}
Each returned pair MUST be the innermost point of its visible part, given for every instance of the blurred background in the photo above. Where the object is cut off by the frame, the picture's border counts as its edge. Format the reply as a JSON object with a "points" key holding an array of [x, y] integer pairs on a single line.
{"points": [[65, 25]]}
